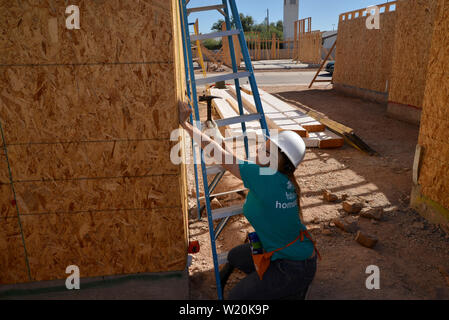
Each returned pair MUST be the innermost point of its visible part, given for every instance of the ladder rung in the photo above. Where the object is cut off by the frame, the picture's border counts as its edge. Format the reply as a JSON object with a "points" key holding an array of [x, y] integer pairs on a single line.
{"points": [[224, 77], [227, 212], [212, 170], [238, 119], [242, 136], [213, 35], [222, 258], [206, 8], [224, 193]]}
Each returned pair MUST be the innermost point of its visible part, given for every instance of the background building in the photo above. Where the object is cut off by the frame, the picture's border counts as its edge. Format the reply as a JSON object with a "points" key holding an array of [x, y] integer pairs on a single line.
{"points": [[291, 14]]}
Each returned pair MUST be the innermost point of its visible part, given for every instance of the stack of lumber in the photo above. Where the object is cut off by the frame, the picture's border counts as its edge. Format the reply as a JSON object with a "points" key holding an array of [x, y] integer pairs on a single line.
{"points": [[227, 107], [278, 114]]}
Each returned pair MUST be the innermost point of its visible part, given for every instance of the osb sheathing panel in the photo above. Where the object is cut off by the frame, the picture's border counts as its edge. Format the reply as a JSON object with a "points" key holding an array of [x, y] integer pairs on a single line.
{"points": [[415, 20], [433, 178], [434, 174], [72, 103], [104, 243], [98, 194], [7, 205], [77, 160], [310, 45], [87, 120], [4, 173], [364, 57], [12, 258], [34, 32]]}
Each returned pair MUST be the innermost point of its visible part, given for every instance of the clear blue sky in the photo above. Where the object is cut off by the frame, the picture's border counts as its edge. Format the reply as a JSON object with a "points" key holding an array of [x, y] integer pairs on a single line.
{"points": [[324, 13]]}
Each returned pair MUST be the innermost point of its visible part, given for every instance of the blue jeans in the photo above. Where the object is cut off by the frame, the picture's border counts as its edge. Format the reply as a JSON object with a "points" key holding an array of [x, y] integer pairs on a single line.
{"points": [[284, 279]]}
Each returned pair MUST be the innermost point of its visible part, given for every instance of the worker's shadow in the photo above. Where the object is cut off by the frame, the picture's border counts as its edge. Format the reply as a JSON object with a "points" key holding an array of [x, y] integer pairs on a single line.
{"points": [[395, 141]]}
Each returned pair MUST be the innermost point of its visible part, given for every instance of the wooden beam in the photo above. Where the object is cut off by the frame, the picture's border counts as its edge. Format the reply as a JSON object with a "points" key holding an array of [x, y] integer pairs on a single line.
{"points": [[322, 65], [275, 119]]}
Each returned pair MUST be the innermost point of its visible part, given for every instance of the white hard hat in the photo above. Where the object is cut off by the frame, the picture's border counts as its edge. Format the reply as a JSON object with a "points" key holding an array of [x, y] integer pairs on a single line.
{"points": [[291, 144]]}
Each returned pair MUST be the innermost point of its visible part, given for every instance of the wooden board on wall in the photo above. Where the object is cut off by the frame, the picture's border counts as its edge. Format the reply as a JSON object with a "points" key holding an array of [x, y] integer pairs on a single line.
{"points": [[180, 96], [87, 116], [415, 20], [434, 173], [363, 56]]}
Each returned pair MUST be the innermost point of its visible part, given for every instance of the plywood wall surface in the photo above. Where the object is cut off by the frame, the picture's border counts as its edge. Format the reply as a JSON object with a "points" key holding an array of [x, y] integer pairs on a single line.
{"points": [[12, 260], [310, 45], [34, 32], [414, 27], [434, 132], [101, 102], [87, 116], [120, 242], [363, 56], [84, 160]]}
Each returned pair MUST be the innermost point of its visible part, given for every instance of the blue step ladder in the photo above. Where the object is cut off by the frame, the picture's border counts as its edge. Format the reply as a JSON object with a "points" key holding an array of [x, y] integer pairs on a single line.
{"points": [[226, 8]]}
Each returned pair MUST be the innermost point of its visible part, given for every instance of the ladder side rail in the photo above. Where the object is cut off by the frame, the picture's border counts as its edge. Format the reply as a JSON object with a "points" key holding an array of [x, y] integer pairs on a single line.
{"points": [[249, 67], [235, 70], [203, 165], [186, 68]]}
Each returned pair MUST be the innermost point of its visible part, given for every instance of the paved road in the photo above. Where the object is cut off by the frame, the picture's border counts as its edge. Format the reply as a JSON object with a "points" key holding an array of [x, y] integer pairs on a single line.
{"points": [[290, 78]]}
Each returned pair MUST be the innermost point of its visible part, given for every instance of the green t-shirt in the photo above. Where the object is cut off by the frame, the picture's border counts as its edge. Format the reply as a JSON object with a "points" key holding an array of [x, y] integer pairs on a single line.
{"points": [[272, 209]]}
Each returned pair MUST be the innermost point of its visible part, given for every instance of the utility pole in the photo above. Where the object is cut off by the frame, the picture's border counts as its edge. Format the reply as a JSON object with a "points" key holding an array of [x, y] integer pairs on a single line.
{"points": [[268, 20]]}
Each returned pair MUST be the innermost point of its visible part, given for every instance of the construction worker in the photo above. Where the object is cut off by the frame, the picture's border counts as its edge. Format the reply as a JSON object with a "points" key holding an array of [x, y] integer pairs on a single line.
{"points": [[288, 264]]}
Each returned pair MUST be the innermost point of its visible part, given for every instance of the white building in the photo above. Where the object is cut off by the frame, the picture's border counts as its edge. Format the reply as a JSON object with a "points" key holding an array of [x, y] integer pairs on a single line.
{"points": [[291, 14]]}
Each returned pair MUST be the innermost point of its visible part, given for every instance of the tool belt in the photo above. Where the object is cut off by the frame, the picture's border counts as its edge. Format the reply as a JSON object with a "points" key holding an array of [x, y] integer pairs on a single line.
{"points": [[262, 261]]}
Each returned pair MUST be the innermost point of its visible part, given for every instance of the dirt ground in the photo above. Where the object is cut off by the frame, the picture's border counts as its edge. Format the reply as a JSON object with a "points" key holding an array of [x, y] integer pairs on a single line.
{"points": [[412, 254]]}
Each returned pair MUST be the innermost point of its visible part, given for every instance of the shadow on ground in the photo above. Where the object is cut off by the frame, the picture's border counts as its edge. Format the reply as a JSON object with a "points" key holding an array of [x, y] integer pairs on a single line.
{"points": [[410, 251]]}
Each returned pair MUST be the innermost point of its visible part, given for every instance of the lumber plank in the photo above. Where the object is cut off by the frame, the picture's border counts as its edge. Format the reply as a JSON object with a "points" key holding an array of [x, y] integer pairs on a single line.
{"points": [[225, 110], [328, 139], [322, 66], [321, 138], [275, 119], [307, 122]]}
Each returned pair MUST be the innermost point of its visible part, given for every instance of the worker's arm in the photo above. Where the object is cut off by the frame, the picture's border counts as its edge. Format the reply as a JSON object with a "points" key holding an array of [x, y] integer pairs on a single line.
{"points": [[220, 155]]}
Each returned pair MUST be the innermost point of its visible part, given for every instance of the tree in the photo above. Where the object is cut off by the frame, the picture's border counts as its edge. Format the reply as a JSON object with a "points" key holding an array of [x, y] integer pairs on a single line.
{"points": [[276, 28], [280, 25], [247, 23], [217, 25], [212, 44]]}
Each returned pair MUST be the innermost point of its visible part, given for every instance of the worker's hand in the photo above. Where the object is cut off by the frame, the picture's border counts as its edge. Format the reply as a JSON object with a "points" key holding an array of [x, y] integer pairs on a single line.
{"points": [[184, 112]]}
